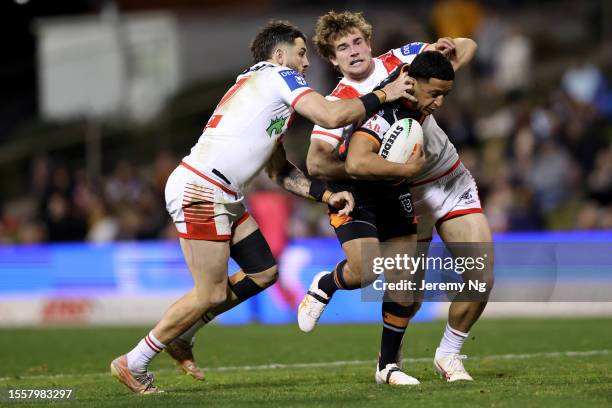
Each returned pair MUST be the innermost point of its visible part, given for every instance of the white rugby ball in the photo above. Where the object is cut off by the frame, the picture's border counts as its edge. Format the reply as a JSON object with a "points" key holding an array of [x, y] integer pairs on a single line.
{"points": [[398, 142]]}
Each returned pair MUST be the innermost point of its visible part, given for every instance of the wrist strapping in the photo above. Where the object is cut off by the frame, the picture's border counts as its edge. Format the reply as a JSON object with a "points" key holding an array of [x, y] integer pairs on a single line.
{"points": [[317, 189], [371, 103]]}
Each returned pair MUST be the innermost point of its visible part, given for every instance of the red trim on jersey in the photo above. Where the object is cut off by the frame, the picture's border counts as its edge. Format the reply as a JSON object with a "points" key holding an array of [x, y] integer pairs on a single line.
{"points": [[459, 213], [454, 166], [321, 132], [191, 196], [242, 219], [204, 236], [200, 223], [199, 192], [344, 91], [216, 183], [232, 91], [289, 122], [390, 61], [295, 101], [201, 212], [213, 122]]}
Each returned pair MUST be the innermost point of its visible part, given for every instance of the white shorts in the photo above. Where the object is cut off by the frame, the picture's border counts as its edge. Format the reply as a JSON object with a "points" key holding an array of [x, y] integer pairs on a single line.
{"points": [[451, 195], [201, 207]]}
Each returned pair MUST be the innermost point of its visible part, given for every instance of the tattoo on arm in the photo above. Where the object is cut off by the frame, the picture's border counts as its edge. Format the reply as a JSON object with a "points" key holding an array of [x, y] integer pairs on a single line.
{"points": [[293, 180], [287, 175]]}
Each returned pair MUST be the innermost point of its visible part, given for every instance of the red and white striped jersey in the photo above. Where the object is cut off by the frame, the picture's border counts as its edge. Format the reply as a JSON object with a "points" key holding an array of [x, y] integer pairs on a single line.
{"points": [[247, 124], [439, 151]]}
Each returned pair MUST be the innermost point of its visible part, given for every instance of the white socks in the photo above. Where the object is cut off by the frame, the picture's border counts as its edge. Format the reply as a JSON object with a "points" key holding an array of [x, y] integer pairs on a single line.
{"points": [[451, 342], [139, 358], [189, 335]]}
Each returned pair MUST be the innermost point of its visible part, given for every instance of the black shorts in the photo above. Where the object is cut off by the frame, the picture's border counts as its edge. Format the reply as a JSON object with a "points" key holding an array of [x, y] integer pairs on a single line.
{"points": [[388, 215]]}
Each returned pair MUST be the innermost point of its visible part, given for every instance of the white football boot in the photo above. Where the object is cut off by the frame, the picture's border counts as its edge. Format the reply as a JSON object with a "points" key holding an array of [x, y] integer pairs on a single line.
{"points": [[393, 375], [450, 367], [313, 304]]}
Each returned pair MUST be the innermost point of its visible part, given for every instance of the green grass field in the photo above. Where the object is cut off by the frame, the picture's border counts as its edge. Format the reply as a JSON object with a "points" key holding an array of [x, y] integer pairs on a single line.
{"points": [[514, 362]]}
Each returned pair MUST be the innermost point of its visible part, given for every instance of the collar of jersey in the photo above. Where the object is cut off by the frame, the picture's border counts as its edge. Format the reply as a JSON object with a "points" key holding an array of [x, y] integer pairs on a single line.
{"points": [[259, 64]]}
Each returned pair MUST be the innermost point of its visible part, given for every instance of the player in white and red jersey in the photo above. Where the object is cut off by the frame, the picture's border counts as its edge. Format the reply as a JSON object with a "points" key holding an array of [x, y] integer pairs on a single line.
{"points": [[204, 193], [443, 191]]}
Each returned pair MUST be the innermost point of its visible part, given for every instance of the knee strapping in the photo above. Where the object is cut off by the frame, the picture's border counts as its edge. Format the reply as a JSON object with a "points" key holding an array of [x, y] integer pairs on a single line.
{"points": [[253, 254], [244, 287]]}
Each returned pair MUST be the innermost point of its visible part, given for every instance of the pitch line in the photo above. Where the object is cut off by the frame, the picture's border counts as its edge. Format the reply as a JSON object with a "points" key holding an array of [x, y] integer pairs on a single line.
{"points": [[277, 366]]}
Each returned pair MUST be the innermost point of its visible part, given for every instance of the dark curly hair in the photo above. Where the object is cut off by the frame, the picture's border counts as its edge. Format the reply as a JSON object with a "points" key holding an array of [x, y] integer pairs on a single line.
{"points": [[270, 36]]}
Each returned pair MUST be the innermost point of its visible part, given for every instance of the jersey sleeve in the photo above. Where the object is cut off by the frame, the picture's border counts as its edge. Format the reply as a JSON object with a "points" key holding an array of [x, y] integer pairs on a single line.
{"points": [[409, 51], [290, 85], [374, 128], [332, 136]]}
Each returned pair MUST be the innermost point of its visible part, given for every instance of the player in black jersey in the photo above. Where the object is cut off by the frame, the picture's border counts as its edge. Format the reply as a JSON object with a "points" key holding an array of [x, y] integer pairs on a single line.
{"points": [[383, 210]]}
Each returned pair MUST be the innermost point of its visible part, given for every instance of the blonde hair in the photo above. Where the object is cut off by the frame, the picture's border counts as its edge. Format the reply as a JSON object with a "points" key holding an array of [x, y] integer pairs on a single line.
{"points": [[333, 25]]}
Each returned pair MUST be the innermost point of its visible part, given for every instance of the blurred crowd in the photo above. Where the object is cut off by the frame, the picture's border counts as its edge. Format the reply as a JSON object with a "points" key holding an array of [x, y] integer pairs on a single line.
{"points": [[540, 152], [541, 155], [544, 165], [68, 205]]}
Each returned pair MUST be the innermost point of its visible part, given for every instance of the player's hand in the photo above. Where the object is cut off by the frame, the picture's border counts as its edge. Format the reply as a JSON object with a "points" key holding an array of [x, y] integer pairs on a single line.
{"points": [[342, 200], [402, 87], [416, 161], [446, 46]]}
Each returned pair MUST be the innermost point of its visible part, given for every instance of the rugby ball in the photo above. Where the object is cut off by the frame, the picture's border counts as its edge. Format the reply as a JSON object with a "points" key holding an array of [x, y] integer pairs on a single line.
{"points": [[399, 141]]}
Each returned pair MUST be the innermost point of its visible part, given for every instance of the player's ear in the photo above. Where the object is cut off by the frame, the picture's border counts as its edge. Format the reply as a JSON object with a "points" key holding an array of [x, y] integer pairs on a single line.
{"points": [[279, 56], [333, 60]]}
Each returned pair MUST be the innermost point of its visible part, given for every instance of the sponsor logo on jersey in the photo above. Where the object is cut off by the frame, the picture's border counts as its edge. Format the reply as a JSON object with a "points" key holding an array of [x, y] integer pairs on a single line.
{"points": [[390, 141], [372, 125], [276, 126], [412, 48], [466, 196], [293, 79]]}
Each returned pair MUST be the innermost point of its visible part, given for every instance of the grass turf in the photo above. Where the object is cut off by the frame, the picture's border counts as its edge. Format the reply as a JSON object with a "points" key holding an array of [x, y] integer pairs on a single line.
{"points": [[78, 358]]}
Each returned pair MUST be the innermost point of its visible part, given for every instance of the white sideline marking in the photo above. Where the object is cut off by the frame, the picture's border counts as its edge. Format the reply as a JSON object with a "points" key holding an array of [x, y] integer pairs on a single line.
{"points": [[552, 354]]}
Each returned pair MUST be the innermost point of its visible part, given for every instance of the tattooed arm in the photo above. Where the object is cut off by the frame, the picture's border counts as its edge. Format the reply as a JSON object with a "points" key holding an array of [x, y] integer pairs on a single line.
{"points": [[289, 177]]}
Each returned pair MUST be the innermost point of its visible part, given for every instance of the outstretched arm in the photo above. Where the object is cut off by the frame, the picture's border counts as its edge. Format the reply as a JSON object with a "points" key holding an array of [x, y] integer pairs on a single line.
{"points": [[290, 178], [334, 114]]}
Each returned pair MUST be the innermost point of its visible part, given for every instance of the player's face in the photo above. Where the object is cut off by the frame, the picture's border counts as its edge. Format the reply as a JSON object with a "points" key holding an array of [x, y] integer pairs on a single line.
{"points": [[430, 94], [353, 55], [295, 56]]}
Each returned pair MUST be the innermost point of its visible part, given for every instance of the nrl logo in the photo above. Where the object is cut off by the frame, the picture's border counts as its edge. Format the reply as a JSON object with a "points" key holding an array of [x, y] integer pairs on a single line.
{"points": [[276, 126], [406, 202]]}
